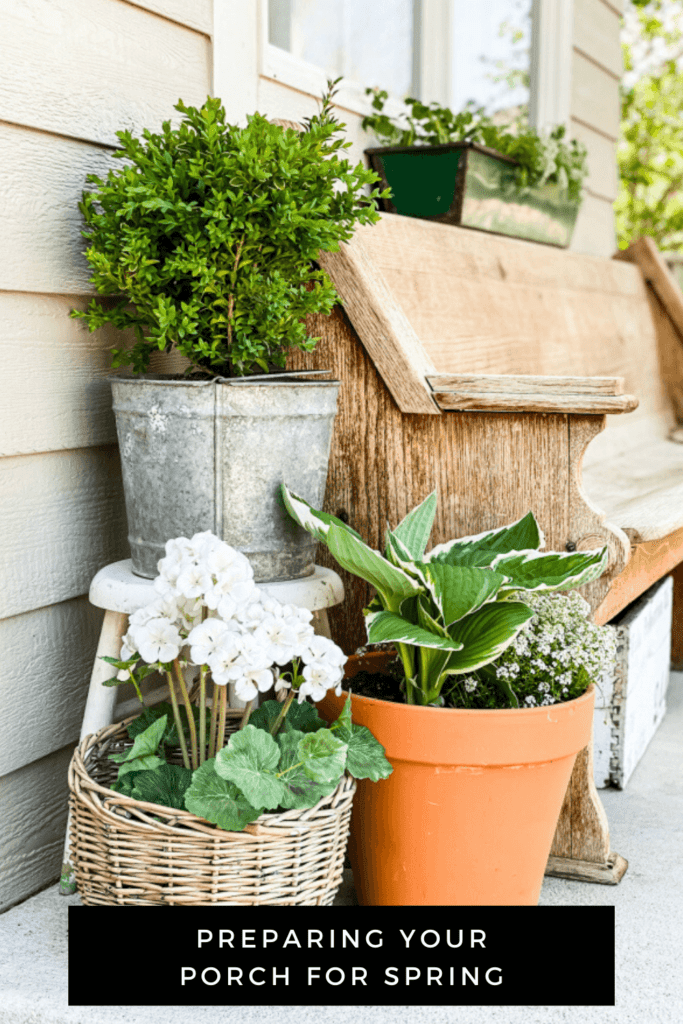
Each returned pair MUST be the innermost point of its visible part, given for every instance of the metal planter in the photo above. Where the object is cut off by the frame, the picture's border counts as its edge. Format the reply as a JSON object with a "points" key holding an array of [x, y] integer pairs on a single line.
{"points": [[211, 455], [473, 186]]}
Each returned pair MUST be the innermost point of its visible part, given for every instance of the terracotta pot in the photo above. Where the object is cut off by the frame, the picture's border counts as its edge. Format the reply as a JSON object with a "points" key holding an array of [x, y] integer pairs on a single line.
{"points": [[468, 816]]}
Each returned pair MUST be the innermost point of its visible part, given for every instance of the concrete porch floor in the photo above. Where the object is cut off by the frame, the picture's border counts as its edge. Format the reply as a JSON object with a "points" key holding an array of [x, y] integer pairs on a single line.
{"points": [[647, 828]]}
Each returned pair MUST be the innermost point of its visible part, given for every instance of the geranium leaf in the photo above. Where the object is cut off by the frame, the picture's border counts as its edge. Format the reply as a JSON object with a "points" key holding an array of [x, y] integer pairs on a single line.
{"points": [[365, 758], [145, 743], [323, 756], [344, 727], [166, 785], [300, 790], [218, 800], [302, 716], [145, 763], [250, 761]]}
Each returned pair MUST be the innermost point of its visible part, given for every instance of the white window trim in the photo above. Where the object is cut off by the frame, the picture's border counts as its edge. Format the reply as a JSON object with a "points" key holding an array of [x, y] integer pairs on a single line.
{"points": [[281, 66], [552, 36]]}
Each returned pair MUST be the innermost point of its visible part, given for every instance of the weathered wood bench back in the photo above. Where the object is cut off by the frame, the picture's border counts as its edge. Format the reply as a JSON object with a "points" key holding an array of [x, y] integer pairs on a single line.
{"points": [[456, 321], [485, 367]]}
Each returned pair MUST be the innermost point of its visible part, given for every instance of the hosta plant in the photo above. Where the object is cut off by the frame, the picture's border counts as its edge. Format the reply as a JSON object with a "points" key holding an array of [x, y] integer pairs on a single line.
{"points": [[206, 237], [210, 615], [454, 609]]}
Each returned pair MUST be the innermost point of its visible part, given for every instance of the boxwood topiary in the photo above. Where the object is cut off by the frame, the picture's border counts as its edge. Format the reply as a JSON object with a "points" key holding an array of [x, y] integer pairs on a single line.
{"points": [[208, 235]]}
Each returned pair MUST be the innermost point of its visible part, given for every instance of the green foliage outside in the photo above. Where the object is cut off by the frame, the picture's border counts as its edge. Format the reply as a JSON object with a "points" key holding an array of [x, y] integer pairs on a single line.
{"points": [[210, 231], [650, 154], [542, 158]]}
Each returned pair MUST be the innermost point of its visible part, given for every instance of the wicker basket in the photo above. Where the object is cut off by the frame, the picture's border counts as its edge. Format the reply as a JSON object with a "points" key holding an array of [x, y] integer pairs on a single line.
{"points": [[128, 853]]}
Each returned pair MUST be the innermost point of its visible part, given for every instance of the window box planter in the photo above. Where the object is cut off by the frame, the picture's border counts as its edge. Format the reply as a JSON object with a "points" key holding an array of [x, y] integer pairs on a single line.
{"points": [[129, 853], [468, 815], [472, 186]]}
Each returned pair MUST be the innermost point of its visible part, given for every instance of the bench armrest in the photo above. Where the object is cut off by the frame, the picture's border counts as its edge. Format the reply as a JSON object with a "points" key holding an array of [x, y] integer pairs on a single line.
{"points": [[530, 393]]}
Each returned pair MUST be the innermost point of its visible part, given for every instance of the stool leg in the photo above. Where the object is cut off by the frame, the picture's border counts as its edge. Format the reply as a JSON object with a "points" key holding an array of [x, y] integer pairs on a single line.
{"points": [[99, 711]]}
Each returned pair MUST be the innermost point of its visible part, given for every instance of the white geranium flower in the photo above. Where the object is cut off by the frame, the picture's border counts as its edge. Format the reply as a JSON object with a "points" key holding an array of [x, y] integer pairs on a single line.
{"points": [[249, 682], [319, 678], [278, 637], [222, 559], [158, 641], [223, 659], [208, 637], [322, 649], [193, 581], [202, 544], [251, 613], [239, 589], [127, 647]]}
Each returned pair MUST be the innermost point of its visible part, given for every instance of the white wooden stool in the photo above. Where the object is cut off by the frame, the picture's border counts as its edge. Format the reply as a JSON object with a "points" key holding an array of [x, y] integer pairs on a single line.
{"points": [[120, 592]]}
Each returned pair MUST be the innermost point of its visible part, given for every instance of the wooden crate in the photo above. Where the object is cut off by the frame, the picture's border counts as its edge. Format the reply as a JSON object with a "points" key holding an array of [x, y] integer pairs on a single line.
{"points": [[633, 702]]}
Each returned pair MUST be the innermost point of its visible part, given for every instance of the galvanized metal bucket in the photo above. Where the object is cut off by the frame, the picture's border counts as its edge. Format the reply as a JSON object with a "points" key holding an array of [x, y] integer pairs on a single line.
{"points": [[210, 455]]}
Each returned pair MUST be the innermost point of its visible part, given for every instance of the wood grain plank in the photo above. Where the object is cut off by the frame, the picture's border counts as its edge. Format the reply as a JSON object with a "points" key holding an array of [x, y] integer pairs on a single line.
{"points": [[595, 96], [55, 392], [529, 384], [597, 34], [382, 327], [33, 813], [518, 402], [130, 70], [645, 254], [384, 462], [62, 517], [47, 661]]}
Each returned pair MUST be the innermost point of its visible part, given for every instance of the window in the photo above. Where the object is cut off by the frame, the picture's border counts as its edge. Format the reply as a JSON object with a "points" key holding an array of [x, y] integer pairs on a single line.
{"points": [[508, 56]]}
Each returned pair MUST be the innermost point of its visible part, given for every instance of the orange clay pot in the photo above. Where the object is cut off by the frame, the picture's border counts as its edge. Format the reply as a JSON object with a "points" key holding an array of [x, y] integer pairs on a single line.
{"points": [[468, 816]]}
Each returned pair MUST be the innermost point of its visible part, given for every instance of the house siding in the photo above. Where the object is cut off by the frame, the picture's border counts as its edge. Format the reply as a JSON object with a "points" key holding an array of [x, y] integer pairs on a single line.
{"points": [[594, 117], [73, 73]]}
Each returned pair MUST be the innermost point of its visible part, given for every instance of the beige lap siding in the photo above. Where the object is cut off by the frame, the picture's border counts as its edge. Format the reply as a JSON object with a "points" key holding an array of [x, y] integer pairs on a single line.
{"points": [[73, 72]]}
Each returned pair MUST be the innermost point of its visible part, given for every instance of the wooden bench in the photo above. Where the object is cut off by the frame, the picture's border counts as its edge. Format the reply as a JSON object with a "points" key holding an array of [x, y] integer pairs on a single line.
{"points": [[486, 367]]}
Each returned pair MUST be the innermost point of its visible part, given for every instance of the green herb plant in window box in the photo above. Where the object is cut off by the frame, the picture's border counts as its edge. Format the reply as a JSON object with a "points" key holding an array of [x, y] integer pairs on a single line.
{"points": [[464, 168]]}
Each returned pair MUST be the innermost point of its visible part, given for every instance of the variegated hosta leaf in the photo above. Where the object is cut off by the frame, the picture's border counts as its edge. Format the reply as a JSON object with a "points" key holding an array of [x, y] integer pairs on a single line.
{"points": [[387, 626], [486, 634], [397, 552], [534, 570], [315, 522], [355, 556], [519, 536], [413, 531], [459, 590], [432, 660]]}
